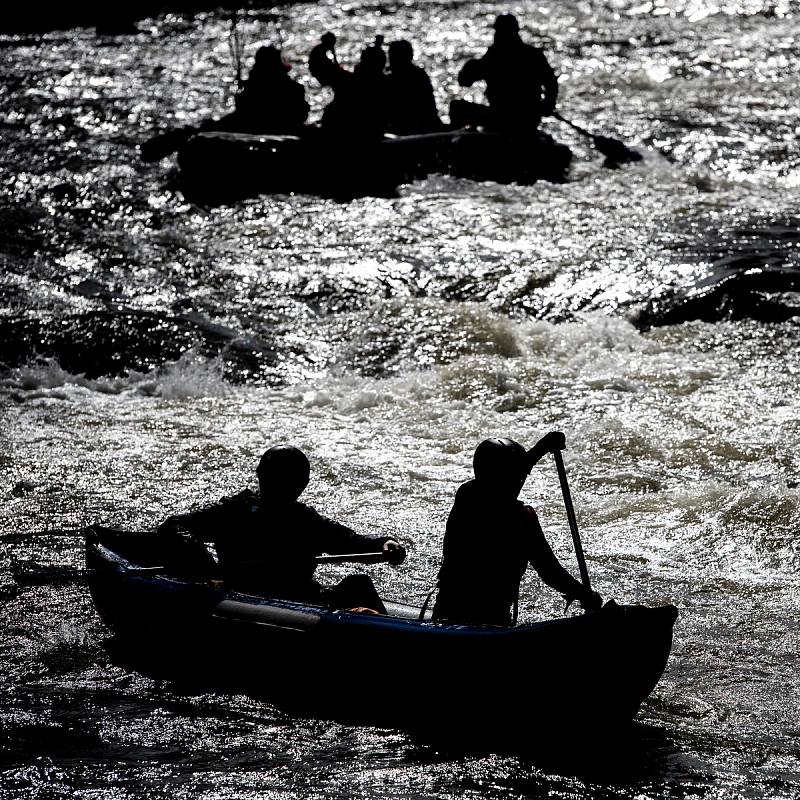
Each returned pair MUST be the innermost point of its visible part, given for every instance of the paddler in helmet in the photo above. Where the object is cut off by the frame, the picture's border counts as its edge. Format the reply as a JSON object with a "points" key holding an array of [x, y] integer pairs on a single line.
{"points": [[358, 109], [267, 541], [521, 86], [270, 102], [411, 105], [491, 537]]}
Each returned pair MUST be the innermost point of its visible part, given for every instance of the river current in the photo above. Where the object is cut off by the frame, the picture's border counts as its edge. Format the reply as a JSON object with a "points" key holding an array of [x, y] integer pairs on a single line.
{"points": [[151, 349]]}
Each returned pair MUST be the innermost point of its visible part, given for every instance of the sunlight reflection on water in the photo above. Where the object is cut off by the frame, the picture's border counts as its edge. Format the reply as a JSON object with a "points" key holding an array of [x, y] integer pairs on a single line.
{"points": [[387, 337]]}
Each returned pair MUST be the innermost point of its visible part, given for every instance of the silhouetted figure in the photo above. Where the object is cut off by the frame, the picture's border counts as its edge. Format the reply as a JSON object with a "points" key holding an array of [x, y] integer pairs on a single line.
{"points": [[491, 537], [521, 86], [270, 102], [358, 108], [410, 105], [266, 542]]}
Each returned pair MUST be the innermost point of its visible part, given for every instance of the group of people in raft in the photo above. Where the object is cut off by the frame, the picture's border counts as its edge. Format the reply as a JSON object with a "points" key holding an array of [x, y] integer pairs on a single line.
{"points": [[371, 100], [266, 542]]}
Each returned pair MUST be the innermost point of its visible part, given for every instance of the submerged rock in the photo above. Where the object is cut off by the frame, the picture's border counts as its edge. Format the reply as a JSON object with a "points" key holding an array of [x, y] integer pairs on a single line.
{"points": [[112, 342]]}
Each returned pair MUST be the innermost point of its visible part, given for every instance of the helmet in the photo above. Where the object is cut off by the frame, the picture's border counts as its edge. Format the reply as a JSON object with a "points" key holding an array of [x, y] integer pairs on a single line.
{"points": [[269, 60], [500, 461], [284, 470], [506, 23], [373, 60], [401, 52]]}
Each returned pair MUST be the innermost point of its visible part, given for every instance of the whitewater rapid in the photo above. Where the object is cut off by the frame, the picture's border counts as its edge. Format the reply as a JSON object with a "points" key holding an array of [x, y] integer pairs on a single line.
{"points": [[152, 349]]}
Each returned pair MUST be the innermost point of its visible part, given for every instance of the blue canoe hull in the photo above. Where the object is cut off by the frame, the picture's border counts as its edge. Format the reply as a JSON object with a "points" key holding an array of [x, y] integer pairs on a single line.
{"points": [[592, 670]]}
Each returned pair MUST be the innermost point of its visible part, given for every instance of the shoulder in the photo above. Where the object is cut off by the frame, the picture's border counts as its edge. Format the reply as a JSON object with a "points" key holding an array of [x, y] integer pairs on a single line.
{"points": [[469, 499], [247, 497], [306, 512], [536, 53], [466, 491]]}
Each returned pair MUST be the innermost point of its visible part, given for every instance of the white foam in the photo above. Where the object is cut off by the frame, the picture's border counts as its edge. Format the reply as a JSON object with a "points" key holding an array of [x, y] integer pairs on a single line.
{"points": [[190, 376]]}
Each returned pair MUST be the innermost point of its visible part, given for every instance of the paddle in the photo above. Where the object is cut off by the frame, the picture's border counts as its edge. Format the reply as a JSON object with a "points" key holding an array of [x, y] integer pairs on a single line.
{"points": [[235, 46], [165, 144], [54, 575], [615, 151], [356, 558], [573, 525]]}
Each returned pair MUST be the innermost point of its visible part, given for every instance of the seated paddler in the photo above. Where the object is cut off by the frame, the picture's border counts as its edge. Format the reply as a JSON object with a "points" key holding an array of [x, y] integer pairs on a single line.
{"points": [[492, 537], [267, 541], [270, 102], [358, 108], [521, 86]]}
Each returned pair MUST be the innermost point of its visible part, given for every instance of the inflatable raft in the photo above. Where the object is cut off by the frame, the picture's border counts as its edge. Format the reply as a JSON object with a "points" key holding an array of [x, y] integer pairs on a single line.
{"points": [[218, 167], [587, 672]]}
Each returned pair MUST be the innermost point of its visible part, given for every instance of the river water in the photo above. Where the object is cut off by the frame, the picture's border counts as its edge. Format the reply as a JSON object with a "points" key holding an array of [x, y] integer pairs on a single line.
{"points": [[153, 348]]}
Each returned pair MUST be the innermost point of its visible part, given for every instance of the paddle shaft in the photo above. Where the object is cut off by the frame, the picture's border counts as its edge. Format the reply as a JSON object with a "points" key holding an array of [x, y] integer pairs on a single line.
{"points": [[69, 574], [573, 125], [342, 558], [573, 524], [236, 48], [356, 558], [615, 150]]}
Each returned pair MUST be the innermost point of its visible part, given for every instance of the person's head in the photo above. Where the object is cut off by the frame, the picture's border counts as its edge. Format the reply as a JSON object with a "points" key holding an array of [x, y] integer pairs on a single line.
{"points": [[501, 465], [401, 54], [506, 28], [283, 473], [372, 62], [269, 61]]}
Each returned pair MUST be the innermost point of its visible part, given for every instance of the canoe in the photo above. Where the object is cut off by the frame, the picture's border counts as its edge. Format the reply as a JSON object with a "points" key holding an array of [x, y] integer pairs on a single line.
{"points": [[219, 166], [589, 671]]}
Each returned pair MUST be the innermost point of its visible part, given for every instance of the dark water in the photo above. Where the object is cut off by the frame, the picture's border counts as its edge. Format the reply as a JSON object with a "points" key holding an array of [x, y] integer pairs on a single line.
{"points": [[152, 349]]}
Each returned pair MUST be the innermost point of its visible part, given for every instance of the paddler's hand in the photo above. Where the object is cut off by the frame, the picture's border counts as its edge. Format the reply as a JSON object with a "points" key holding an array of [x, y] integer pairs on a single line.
{"points": [[549, 443], [591, 601], [395, 552]]}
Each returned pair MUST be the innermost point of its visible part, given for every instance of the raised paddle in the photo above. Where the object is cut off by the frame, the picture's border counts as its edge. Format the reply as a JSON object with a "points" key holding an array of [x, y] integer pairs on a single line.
{"points": [[573, 525], [236, 48], [615, 151]]}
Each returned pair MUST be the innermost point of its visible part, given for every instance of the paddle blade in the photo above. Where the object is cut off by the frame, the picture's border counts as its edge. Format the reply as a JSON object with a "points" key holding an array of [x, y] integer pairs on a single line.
{"points": [[165, 144], [615, 151]]}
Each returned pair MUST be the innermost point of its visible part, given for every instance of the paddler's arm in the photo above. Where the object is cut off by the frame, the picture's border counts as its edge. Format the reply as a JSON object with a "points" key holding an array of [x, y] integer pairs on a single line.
{"points": [[549, 568], [205, 524], [555, 440], [335, 539]]}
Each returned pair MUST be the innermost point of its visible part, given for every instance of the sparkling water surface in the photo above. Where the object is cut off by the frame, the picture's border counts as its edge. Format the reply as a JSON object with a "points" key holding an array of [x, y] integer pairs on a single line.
{"points": [[152, 349]]}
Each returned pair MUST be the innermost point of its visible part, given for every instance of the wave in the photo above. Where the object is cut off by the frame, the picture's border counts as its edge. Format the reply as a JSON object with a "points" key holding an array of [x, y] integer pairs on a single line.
{"points": [[118, 341], [753, 272], [192, 375]]}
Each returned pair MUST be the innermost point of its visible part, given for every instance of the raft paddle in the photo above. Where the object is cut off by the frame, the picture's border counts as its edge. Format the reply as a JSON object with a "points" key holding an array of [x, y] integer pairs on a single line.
{"points": [[573, 525], [615, 151], [235, 46], [357, 558], [39, 575]]}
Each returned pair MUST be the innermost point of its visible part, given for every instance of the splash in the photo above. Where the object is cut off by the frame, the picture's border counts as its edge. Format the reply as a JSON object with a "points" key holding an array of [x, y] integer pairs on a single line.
{"points": [[190, 376]]}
